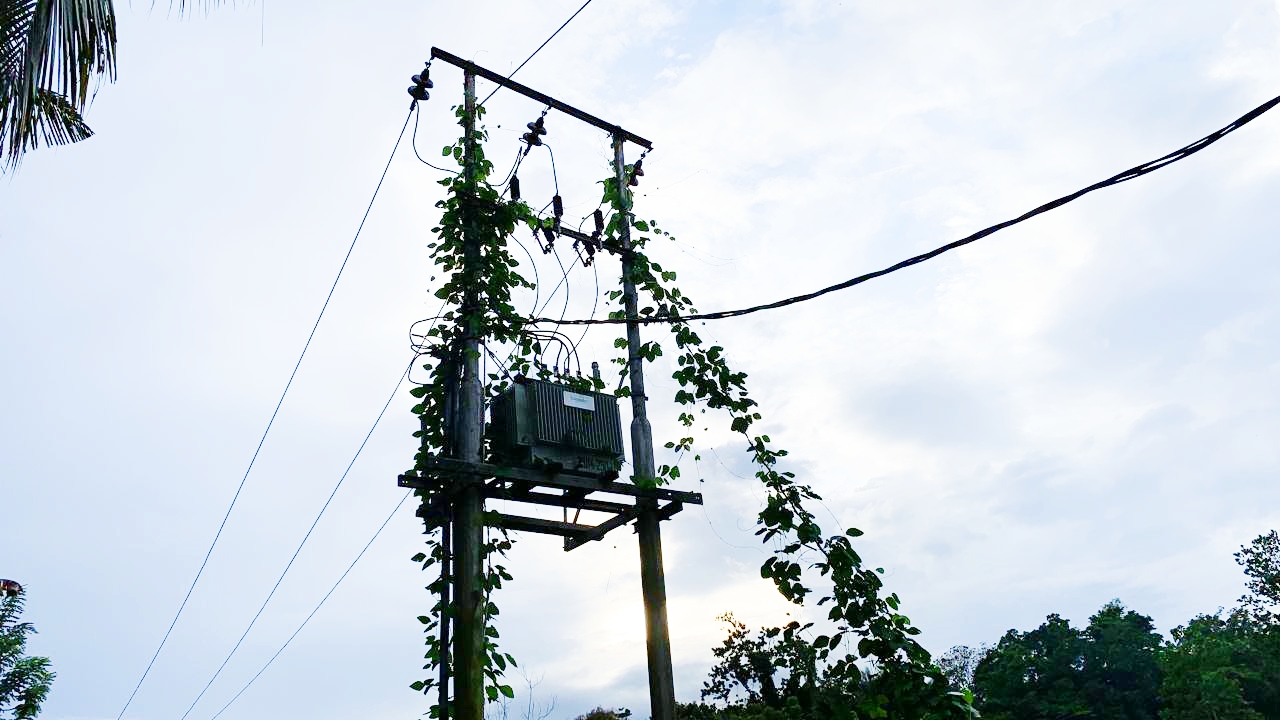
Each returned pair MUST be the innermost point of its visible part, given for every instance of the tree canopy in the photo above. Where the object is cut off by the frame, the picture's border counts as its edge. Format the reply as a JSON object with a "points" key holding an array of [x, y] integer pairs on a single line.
{"points": [[1216, 667], [24, 680], [1223, 666]]}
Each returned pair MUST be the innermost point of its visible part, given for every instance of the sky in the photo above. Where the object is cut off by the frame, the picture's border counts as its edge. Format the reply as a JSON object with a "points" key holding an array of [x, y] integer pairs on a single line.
{"points": [[1078, 409]]}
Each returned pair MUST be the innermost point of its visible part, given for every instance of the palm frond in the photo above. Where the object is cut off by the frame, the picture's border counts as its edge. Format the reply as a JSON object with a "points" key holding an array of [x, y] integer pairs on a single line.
{"points": [[70, 42], [203, 5], [15, 27], [51, 120], [51, 52]]}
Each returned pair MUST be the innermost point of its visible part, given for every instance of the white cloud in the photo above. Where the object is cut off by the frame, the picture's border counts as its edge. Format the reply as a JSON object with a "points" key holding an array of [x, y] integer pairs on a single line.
{"points": [[1072, 410]]}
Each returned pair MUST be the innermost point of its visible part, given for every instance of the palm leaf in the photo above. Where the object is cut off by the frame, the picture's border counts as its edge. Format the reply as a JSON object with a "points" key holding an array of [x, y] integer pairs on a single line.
{"points": [[57, 121], [71, 41], [51, 51], [50, 119]]}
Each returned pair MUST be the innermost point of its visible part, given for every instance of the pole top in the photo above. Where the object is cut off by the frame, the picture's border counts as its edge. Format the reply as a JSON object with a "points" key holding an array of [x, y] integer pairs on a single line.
{"points": [[470, 67]]}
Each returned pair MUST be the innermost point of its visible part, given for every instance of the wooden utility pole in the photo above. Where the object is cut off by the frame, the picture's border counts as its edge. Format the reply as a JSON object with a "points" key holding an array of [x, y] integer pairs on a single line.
{"points": [[653, 584], [468, 529]]}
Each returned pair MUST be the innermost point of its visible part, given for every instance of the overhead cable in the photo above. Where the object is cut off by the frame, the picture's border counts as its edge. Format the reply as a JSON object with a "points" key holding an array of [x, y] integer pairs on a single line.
{"points": [[1130, 174], [535, 52], [413, 140], [418, 352], [270, 422], [303, 543], [317, 607]]}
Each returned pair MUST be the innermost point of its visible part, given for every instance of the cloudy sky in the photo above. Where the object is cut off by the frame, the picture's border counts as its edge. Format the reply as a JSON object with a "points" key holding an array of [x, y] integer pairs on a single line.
{"points": [[1081, 408]]}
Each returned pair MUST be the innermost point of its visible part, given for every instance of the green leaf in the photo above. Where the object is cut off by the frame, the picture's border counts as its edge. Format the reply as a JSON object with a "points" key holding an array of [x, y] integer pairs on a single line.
{"points": [[506, 690]]}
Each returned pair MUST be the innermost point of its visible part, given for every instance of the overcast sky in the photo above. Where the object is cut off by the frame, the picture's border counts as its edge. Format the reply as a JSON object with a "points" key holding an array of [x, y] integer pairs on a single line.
{"points": [[1081, 408]]}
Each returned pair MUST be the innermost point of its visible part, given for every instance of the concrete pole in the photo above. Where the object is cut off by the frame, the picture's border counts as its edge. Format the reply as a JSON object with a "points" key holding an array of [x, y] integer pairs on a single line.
{"points": [[662, 694], [468, 535]]}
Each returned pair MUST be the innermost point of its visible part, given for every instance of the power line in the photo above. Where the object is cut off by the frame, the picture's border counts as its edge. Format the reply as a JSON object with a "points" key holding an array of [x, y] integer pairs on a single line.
{"points": [[594, 304], [535, 52], [305, 538], [270, 422], [413, 140], [376, 421], [318, 605], [1131, 174]]}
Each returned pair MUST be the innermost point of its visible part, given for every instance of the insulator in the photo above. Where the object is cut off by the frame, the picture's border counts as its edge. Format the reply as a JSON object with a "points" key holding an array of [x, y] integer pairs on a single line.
{"points": [[515, 188], [557, 206], [421, 82], [551, 238], [599, 221]]}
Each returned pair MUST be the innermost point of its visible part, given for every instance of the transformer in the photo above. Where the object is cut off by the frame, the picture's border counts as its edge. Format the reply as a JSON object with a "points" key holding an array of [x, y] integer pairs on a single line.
{"points": [[536, 423]]}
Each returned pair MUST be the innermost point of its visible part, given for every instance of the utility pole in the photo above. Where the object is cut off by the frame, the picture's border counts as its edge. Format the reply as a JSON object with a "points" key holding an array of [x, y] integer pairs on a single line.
{"points": [[653, 584], [461, 480], [468, 529]]}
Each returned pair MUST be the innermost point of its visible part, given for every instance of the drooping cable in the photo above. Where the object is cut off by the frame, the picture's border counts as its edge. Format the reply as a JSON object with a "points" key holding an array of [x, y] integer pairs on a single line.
{"points": [[501, 365], [564, 310], [595, 303], [564, 279], [535, 52], [520, 151], [274, 413], [564, 342], [319, 605], [532, 264], [303, 543], [420, 347], [1127, 175], [413, 140], [554, 178]]}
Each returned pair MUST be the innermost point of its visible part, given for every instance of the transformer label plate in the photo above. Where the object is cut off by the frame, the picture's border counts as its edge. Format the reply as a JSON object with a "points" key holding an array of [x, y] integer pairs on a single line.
{"points": [[580, 401]]}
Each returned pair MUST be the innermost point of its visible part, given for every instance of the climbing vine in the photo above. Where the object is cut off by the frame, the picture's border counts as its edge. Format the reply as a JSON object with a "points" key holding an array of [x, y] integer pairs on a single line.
{"points": [[471, 205], [907, 683], [472, 208], [870, 634]]}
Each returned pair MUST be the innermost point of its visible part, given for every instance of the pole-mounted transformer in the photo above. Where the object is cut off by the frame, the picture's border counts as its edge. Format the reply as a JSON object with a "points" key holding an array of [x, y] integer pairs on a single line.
{"points": [[546, 425]]}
